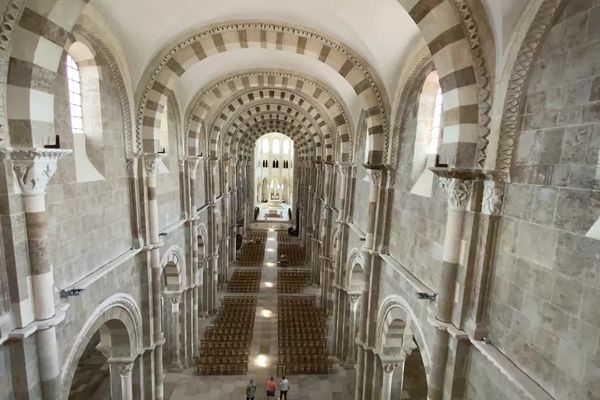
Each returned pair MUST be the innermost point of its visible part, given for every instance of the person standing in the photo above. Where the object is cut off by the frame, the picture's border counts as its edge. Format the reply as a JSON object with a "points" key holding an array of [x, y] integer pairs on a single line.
{"points": [[250, 390], [284, 385], [271, 388]]}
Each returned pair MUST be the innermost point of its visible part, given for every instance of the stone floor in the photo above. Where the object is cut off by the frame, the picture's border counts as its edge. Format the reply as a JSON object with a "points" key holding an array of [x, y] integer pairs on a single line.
{"points": [[263, 357]]}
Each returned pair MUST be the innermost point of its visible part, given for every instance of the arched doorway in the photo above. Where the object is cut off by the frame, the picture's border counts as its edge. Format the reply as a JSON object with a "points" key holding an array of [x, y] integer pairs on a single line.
{"points": [[103, 362]]}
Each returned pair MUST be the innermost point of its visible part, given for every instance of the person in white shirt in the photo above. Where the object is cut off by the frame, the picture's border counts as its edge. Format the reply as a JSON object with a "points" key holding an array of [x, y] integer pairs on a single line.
{"points": [[283, 388]]}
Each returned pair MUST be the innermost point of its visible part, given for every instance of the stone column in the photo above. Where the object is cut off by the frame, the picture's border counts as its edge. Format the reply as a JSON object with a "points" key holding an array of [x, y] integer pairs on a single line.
{"points": [[151, 165], [175, 345], [459, 192], [388, 375], [193, 163], [354, 298], [364, 367], [34, 169], [126, 381]]}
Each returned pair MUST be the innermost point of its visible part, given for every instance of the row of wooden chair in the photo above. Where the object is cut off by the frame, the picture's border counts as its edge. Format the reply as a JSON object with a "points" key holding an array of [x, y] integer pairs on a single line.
{"points": [[244, 281], [290, 253], [319, 367], [218, 368], [302, 336], [292, 281], [225, 347]]}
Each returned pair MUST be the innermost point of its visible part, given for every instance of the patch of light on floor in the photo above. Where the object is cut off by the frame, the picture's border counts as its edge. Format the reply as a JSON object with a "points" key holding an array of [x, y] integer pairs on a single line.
{"points": [[261, 361], [270, 250], [270, 239], [267, 313], [270, 264], [271, 229], [268, 284]]}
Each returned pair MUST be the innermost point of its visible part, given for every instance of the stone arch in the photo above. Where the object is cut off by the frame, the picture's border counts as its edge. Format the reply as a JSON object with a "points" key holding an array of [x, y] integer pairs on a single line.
{"points": [[259, 124], [121, 315], [303, 122], [202, 234], [174, 62], [274, 99], [173, 265], [388, 305], [354, 272], [319, 93], [513, 102]]}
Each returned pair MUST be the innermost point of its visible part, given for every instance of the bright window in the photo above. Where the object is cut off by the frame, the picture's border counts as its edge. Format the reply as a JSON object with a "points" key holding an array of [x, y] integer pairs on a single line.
{"points": [[164, 129], [286, 146], [74, 84], [275, 146], [436, 125], [265, 145]]}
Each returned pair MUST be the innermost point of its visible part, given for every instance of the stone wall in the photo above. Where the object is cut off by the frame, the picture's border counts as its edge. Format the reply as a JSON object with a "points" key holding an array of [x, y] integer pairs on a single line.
{"points": [[169, 204], [89, 222], [417, 229], [544, 314]]}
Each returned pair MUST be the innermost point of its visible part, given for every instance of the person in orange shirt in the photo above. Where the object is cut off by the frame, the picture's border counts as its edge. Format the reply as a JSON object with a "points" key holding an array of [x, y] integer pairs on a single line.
{"points": [[271, 388]]}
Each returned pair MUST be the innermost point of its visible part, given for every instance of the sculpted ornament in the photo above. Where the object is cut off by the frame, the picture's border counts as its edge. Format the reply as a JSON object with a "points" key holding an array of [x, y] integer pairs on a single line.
{"points": [[125, 369], [389, 366], [35, 167], [458, 190], [493, 196]]}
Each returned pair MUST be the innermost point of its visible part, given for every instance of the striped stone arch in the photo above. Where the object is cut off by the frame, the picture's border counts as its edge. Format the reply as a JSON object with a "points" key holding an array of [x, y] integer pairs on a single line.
{"points": [[262, 124], [173, 265], [180, 57], [395, 308], [226, 131], [44, 28], [205, 101], [273, 99], [121, 315], [249, 116], [235, 127]]}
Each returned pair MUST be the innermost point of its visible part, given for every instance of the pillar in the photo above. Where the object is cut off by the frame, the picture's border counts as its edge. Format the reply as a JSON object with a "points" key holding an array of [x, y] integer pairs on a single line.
{"points": [[388, 368], [34, 168], [151, 162], [369, 296], [193, 163], [175, 331], [125, 371], [354, 298]]}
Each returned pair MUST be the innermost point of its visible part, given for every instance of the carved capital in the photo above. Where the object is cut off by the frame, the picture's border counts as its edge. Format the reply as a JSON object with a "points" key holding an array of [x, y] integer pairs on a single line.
{"points": [[375, 176], [193, 163], [125, 369], [389, 366], [354, 298], [458, 190], [130, 163], [151, 163], [493, 197], [34, 167]]}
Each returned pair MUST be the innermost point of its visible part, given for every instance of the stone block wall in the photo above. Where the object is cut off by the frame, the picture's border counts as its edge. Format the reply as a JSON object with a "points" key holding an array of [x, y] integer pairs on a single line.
{"points": [[417, 229], [168, 181], [544, 314], [89, 222]]}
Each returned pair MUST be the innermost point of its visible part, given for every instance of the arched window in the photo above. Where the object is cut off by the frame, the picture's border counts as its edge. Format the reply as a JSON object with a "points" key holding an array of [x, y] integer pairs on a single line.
{"points": [[427, 135], [437, 123], [265, 145], [164, 130], [286, 146], [275, 146], [85, 109], [74, 87]]}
